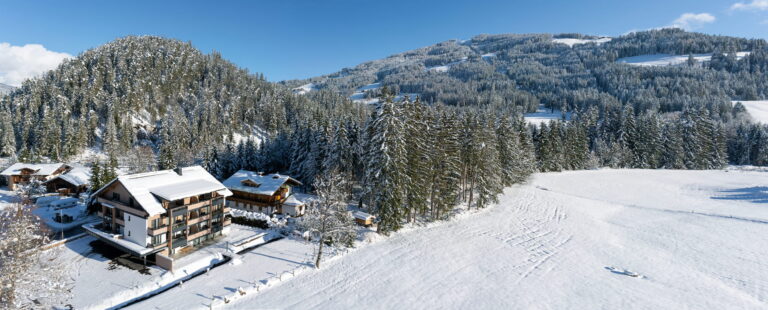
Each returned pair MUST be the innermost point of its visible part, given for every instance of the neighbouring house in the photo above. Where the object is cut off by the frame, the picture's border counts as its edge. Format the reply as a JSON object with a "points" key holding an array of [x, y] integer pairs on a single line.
{"points": [[268, 194], [363, 218], [161, 214], [73, 182], [22, 173]]}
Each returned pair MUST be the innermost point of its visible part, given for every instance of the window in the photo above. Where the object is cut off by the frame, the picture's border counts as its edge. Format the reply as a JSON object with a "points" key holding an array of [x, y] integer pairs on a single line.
{"points": [[129, 218], [116, 196], [129, 233], [130, 201]]}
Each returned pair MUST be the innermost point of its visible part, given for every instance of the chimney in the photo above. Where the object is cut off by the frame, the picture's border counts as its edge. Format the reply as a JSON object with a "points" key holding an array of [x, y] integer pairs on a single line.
{"points": [[178, 170]]}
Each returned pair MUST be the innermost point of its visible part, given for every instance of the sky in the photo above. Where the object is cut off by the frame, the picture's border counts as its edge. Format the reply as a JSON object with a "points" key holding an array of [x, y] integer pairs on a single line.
{"points": [[287, 39]]}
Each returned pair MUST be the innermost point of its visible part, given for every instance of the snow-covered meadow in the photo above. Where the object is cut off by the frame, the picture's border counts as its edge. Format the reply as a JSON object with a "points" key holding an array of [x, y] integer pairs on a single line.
{"points": [[757, 109], [610, 239], [655, 60]]}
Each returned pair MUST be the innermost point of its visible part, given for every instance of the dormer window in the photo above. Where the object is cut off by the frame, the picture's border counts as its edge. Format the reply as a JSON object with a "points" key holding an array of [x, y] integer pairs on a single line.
{"points": [[250, 183]]}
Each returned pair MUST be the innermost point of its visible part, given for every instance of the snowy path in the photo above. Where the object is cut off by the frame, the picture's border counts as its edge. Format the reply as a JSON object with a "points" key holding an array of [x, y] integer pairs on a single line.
{"points": [[258, 265], [611, 239]]}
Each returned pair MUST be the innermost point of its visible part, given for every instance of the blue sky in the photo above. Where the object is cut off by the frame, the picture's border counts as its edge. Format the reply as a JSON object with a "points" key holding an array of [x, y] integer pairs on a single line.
{"points": [[298, 39]]}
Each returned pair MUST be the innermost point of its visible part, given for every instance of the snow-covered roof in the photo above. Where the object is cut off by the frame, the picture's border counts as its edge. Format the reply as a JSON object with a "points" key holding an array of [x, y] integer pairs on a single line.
{"points": [[360, 215], [39, 169], [78, 176], [167, 184], [292, 201], [263, 184]]}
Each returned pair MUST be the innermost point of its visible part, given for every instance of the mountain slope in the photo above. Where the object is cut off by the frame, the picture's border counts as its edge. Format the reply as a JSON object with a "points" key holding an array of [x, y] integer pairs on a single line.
{"points": [[568, 69], [5, 89], [143, 91]]}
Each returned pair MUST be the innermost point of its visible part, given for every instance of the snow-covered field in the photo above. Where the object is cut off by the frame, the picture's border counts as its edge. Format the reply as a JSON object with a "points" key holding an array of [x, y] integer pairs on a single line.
{"points": [[603, 239], [667, 59], [757, 109], [544, 115], [303, 89], [571, 42]]}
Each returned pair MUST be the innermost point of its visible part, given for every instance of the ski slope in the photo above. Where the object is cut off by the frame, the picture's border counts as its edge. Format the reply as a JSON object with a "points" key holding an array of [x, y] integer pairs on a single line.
{"points": [[656, 60], [571, 42], [757, 109], [603, 239]]}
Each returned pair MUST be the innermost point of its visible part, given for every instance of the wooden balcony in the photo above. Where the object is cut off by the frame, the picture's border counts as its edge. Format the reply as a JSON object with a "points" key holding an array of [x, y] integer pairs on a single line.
{"points": [[121, 206], [199, 219], [199, 234]]}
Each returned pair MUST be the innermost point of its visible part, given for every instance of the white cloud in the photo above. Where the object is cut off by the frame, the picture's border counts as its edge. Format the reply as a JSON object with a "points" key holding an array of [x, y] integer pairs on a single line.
{"points": [[690, 21], [755, 5], [18, 63]]}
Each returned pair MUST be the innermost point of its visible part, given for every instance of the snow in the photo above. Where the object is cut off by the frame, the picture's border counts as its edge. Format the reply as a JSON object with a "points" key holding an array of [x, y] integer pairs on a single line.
{"points": [[268, 184], [39, 169], [599, 239], [359, 95], [144, 187], [360, 215], [264, 266], [99, 283], [7, 198], [488, 56], [655, 60], [79, 175], [445, 67], [303, 89], [544, 115], [77, 212], [176, 191], [757, 109], [571, 42]]}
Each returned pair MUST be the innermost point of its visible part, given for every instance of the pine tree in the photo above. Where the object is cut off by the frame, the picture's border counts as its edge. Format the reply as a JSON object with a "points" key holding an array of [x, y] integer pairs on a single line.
{"points": [[385, 165]]}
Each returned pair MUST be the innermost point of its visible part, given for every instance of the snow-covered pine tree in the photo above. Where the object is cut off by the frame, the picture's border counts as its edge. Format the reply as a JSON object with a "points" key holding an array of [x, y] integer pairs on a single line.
{"points": [[488, 171], [386, 161], [7, 136], [416, 130], [444, 163]]}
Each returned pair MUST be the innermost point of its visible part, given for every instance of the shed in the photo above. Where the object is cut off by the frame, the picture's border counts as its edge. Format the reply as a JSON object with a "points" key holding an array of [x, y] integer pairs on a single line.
{"points": [[362, 218]]}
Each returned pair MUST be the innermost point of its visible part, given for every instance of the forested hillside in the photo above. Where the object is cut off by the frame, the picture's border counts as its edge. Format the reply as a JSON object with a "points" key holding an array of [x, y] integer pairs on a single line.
{"points": [[525, 70], [144, 91]]}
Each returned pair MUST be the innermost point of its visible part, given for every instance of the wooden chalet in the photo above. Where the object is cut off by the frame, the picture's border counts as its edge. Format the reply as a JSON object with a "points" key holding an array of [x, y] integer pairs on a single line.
{"points": [[269, 194]]}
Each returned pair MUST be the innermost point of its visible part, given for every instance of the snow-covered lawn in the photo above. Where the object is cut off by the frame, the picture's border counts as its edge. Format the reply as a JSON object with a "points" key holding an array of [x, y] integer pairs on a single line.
{"points": [[603, 239], [99, 282], [7, 197], [544, 115], [757, 109], [654, 60], [79, 217]]}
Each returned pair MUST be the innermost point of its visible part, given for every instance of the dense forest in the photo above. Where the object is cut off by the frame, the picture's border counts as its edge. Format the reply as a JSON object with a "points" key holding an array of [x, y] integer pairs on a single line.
{"points": [[155, 103]]}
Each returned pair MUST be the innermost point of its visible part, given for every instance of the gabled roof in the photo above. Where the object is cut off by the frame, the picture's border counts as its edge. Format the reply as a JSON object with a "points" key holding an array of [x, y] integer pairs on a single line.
{"points": [[147, 188], [360, 215], [267, 184], [77, 176], [39, 169], [292, 201]]}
